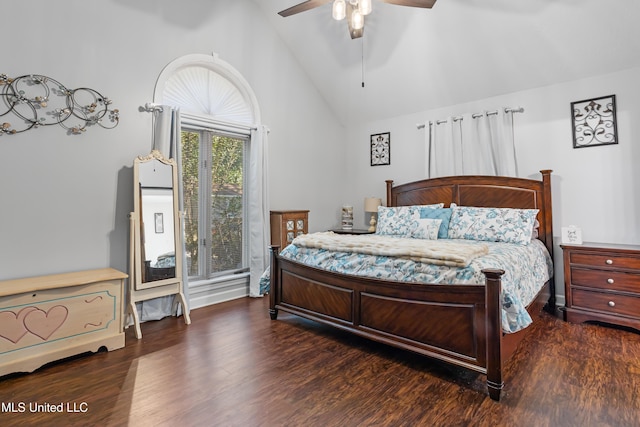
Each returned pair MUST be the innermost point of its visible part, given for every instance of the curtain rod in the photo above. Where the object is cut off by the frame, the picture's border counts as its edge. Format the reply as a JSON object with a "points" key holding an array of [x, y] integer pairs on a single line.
{"points": [[152, 108], [475, 116]]}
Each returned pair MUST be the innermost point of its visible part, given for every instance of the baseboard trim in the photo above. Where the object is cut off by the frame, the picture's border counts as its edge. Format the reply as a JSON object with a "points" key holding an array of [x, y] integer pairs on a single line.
{"points": [[217, 292]]}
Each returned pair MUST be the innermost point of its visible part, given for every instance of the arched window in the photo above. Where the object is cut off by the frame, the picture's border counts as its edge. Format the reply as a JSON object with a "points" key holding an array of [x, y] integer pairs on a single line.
{"points": [[207, 87], [221, 137]]}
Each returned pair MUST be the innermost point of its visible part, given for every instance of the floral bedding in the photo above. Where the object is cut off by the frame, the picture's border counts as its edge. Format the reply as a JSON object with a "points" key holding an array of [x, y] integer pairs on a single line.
{"points": [[527, 268]]}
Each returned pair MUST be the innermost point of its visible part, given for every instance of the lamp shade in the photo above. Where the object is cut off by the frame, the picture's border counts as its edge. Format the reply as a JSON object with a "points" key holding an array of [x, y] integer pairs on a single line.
{"points": [[339, 10], [371, 204], [365, 6], [357, 19]]}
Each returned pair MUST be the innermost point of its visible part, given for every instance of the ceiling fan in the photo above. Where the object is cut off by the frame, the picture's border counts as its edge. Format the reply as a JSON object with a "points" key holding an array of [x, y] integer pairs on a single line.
{"points": [[353, 10]]}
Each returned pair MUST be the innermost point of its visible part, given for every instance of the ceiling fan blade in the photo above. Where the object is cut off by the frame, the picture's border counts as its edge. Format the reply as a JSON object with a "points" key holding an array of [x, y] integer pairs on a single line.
{"points": [[428, 4], [355, 34], [302, 7]]}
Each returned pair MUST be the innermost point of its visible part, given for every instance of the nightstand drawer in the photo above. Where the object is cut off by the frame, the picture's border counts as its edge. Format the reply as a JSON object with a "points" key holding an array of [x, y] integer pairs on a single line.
{"points": [[604, 279], [606, 302], [613, 261]]}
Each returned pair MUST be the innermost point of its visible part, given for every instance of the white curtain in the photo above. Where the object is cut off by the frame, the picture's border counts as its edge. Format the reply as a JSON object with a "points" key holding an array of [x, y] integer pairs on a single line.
{"points": [[444, 148], [478, 144], [258, 207], [166, 139]]}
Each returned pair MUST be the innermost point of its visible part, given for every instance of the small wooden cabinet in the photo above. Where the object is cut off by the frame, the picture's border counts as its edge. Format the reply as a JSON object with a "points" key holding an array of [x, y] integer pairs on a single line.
{"points": [[602, 283], [286, 225], [48, 318]]}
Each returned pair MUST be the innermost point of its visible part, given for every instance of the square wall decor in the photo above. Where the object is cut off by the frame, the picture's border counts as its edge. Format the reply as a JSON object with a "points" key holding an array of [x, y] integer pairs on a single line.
{"points": [[594, 122], [381, 149]]}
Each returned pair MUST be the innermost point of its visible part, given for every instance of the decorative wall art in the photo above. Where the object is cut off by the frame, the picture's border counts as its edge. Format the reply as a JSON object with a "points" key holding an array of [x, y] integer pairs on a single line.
{"points": [[159, 220], [594, 122], [34, 100], [381, 149]]}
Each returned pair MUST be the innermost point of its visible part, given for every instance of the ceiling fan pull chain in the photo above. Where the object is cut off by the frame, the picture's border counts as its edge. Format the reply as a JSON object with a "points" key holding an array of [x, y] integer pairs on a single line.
{"points": [[362, 59]]}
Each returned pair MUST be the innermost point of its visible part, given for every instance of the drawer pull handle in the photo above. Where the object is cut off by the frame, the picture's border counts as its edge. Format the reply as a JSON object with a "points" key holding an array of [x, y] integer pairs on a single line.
{"points": [[612, 304], [609, 261], [610, 281]]}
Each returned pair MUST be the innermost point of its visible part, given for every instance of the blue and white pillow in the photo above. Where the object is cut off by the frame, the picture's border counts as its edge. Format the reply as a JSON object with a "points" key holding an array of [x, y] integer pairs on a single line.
{"points": [[426, 228], [492, 224], [400, 220], [444, 214]]}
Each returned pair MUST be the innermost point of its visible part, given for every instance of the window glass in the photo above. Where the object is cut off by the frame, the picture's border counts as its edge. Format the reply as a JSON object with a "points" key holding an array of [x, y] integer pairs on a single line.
{"points": [[213, 177]]}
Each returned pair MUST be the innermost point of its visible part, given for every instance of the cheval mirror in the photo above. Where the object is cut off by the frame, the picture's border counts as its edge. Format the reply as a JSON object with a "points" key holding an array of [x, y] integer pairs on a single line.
{"points": [[155, 267]]}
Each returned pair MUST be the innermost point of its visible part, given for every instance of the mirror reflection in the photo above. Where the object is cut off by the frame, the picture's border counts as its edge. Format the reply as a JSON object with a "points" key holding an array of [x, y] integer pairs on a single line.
{"points": [[157, 221], [155, 240]]}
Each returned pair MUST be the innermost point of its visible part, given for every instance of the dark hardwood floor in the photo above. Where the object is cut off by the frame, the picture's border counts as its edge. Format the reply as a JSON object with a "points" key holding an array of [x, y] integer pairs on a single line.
{"points": [[233, 366]]}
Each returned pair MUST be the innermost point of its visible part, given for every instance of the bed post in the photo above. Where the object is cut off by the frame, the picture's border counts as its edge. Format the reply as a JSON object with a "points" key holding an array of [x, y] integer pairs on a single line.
{"points": [[389, 186], [546, 188], [274, 273], [493, 312], [546, 201]]}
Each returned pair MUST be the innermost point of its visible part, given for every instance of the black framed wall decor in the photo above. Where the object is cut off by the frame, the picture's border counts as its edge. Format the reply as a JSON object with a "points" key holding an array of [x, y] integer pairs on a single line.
{"points": [[593, 122], [381, 149]]}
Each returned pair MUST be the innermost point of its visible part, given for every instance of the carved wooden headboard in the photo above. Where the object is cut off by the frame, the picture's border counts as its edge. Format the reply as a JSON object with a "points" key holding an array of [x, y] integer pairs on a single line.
{"points": [[482, 191]]}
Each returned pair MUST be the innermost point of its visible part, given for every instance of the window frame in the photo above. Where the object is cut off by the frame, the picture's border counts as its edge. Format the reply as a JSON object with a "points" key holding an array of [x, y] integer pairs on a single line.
{"points": [[208, 128]]}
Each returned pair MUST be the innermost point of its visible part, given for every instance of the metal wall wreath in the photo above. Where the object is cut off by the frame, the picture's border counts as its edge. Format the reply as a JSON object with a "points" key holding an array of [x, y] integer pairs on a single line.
{"points": [[38, 100]]}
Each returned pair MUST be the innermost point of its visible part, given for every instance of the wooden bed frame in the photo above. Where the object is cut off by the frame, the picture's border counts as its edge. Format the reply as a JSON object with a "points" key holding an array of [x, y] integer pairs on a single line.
{"points": [[458, 324]]}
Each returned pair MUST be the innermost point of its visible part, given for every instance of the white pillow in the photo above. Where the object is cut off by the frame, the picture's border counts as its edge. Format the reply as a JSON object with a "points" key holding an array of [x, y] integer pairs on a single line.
{"points": [[426, 228]]}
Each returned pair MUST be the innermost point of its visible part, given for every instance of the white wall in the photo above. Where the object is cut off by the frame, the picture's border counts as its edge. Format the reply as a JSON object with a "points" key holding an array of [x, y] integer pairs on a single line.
{"points": [[595, 188], [65, 199]]}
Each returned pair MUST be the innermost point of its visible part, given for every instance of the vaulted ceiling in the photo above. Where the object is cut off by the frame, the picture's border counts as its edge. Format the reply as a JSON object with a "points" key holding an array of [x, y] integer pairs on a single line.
{"points": [[411, 59]]}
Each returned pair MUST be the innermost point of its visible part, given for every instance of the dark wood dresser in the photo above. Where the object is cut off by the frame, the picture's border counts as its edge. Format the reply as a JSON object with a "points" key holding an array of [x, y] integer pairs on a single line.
{"points": [[602, 283]]}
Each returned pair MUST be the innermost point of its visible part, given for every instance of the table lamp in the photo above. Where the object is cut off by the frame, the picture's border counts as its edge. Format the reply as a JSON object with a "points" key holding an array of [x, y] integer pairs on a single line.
{"points": [[371, 205]]}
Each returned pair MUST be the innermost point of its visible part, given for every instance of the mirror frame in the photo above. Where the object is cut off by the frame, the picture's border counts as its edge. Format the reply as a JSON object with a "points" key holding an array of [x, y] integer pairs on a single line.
{"points": [[177, 236]]}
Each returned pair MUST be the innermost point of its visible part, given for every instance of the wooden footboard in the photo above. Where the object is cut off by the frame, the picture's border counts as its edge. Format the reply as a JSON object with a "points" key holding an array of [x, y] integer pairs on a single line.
{"points": [[459, 324]]}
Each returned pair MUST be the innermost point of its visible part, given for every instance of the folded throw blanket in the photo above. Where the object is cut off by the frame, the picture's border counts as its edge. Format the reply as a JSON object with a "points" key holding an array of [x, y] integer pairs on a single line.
{"points": [[453, 253]]}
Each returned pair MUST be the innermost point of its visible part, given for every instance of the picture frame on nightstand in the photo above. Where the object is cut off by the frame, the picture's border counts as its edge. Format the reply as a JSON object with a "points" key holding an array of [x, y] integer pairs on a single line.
{"points": [[571, 235]]}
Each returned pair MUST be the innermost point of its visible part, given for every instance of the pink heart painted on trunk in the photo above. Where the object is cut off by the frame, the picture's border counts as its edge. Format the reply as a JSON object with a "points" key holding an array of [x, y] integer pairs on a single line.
{"points": [[44, 324], [12, 325]]}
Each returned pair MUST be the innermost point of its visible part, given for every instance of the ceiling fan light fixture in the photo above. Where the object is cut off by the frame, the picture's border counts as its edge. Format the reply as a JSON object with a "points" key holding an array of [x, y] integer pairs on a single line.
{"points": [[365, 7], [357, 19], [353, 10], [339, 10]]}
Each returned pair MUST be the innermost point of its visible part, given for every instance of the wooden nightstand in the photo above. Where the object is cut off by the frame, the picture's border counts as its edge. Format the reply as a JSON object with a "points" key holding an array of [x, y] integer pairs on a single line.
{"points": [[353, 231], [602, 283], [286, 225]]}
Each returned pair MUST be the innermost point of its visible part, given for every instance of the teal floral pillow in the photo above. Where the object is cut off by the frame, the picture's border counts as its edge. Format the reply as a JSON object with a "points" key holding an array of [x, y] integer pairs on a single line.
{"points": [[492, 224], [443, 214], [426, 228], [400, 220]]}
